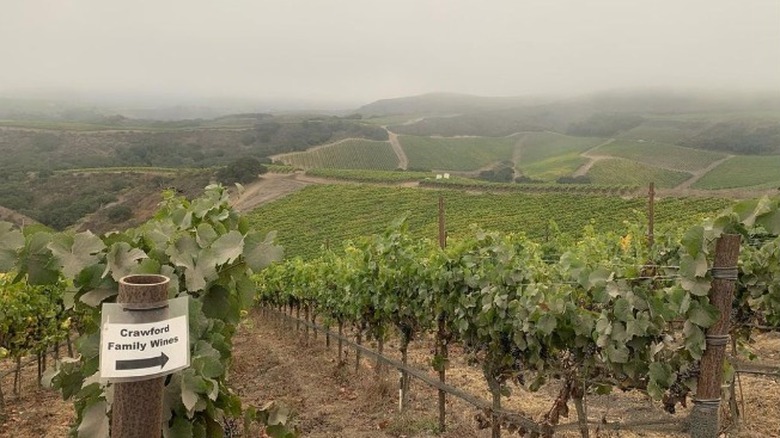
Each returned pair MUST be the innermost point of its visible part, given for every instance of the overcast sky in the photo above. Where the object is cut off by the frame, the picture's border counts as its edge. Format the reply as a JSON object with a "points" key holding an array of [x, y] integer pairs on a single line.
{"points": [[356, 51]]}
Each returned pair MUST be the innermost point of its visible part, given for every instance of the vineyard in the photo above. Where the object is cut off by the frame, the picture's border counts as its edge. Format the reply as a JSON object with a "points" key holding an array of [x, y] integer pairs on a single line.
{"points": [[347, 154], [541, 146], [662, 155], [552, 168], [370, 176], [310, 221], [592, 315], [743, 171], [457, 154], [662, 130], [574, 303], [462, 183], [547, 156], [59, 280], [620, 171]]}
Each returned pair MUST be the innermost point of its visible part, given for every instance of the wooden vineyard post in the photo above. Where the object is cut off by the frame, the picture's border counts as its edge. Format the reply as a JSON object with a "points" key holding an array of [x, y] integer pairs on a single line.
{"points": [[704, 416], [651, 216], [137, 408], [441, 335]]}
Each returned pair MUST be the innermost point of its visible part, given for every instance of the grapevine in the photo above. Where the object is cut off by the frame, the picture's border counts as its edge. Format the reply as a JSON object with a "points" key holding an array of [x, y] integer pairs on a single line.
{"points": [[209, 253]]}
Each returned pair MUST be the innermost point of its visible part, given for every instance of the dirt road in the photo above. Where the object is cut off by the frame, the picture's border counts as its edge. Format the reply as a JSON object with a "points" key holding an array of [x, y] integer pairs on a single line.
{"points": [[403, 161], [269, 187]]}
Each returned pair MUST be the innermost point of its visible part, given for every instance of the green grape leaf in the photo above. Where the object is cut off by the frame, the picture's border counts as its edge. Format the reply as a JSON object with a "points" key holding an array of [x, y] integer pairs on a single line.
{"points": [[260, 251], [76, 252], [11, 241], [227, 248], [181, 428], [693, 267], [699, 286], [702, 314], [94, 297], [693, 240], [694, 339], [191, 386], [598, 278], [623, 309], [197, 272], [122, 260], [37, 260], [617, 353], [206, 235], [661, 373], [206, 360], [94, 423], [547, 324], [770, 221]]}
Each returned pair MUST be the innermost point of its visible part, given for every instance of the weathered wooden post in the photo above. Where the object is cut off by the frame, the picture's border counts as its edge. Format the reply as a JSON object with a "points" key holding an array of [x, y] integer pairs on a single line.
{"points": [[137, 408], [704, 421]]}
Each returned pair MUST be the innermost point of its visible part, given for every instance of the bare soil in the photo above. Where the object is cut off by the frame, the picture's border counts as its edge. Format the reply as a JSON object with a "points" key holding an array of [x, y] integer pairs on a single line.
{"points": [[273, 361]]}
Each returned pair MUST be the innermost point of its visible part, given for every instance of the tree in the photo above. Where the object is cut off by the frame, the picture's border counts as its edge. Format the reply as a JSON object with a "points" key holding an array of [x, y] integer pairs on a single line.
{"points": [[242, 171]]}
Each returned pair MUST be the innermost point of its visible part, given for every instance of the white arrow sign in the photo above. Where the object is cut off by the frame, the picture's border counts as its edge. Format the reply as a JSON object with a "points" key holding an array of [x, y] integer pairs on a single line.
{"points": [[144, 350]]}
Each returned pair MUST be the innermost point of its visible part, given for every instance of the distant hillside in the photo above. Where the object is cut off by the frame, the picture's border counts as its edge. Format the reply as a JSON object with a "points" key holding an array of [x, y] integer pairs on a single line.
{"points": [[8, 215], [43, 145], [109, 200], [617, 113], [444, 103]]}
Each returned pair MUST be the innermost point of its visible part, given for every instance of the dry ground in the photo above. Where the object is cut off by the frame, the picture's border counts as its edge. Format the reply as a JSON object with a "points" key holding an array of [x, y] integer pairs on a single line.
{"points": [[328, 399]]}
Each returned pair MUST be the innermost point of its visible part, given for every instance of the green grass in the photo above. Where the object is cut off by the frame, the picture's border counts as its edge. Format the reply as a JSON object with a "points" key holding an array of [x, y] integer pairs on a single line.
{"points": [[459, 154], [307, 219], [743, 171], [619, 171], [664, 155], [349, 154]]}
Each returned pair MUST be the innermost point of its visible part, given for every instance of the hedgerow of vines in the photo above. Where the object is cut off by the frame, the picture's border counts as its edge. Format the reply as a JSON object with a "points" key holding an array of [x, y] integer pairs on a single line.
{"points": [[599, 312], [207, 250]]}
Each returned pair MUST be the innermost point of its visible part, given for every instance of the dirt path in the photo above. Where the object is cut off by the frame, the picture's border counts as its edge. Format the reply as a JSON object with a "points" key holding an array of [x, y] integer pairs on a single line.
{"points": [[403, 161], [328, 400], [697, 175], [269, 187], [592, 158], [517, 155]]}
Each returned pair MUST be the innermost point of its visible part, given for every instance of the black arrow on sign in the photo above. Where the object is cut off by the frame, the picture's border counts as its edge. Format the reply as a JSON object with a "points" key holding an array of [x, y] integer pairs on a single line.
{"points": [[137, 364]]}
